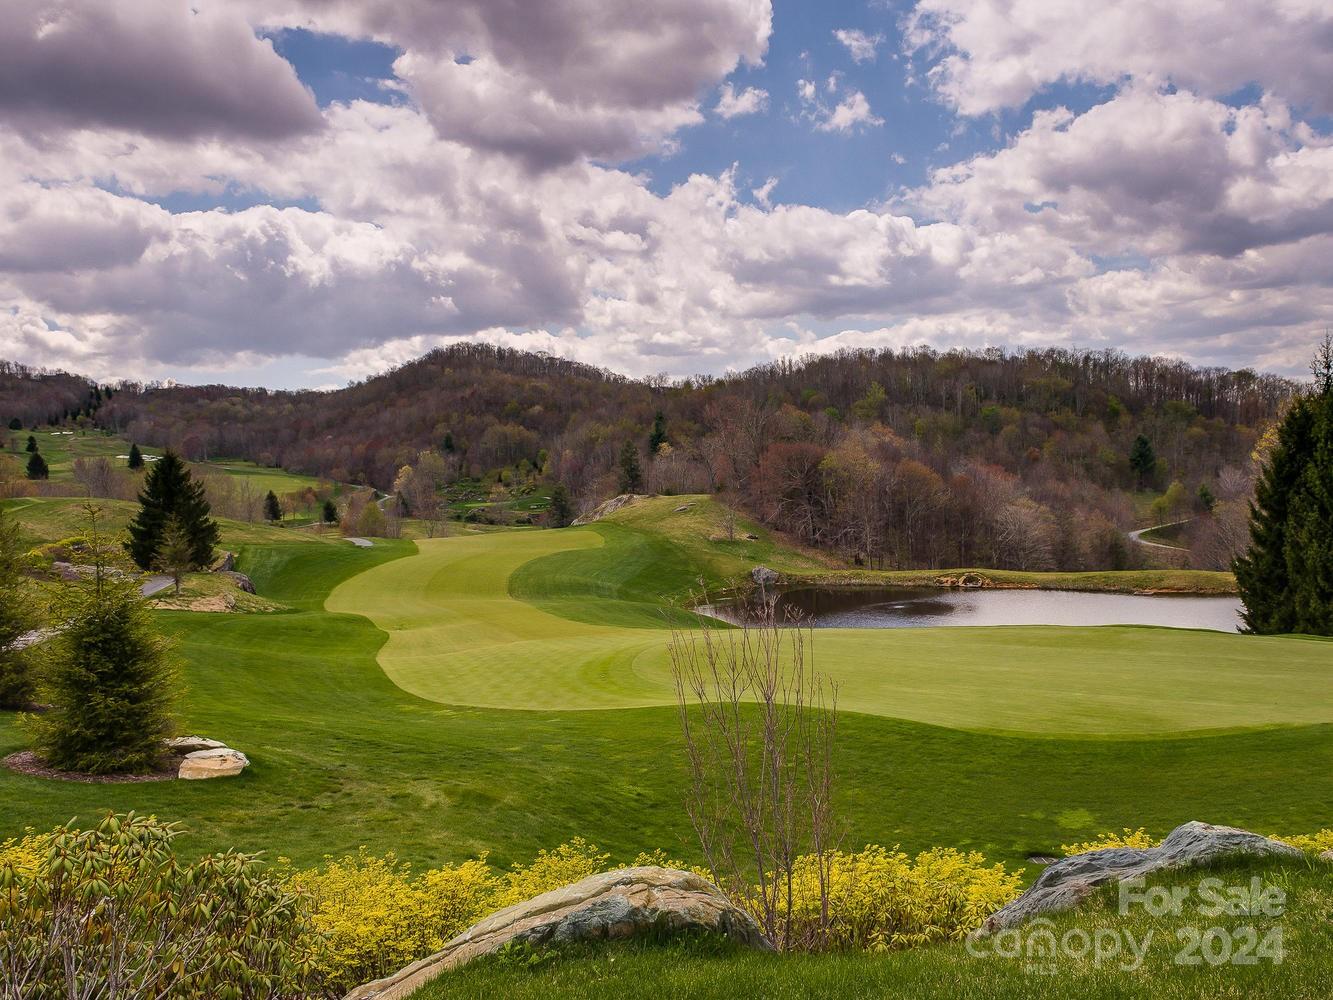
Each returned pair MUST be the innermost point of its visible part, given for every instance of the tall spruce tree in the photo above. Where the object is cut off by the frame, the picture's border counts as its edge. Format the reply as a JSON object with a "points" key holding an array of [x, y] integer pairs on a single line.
{"points": [[631, 476], [110, 676], [16, 687], [1286, 576], [1142, 459], [330, 512], [170, 491], [37, 467], [15, 424], [31, 446], [658, 437], [561, 512], [136, 457], [272, 509]]}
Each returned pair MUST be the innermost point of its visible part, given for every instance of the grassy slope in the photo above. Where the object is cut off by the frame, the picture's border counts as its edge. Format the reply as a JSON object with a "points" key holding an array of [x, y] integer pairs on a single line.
{"points": [[707, 969], [341, 757], [49, 519], [60, 451], [572, 620]]}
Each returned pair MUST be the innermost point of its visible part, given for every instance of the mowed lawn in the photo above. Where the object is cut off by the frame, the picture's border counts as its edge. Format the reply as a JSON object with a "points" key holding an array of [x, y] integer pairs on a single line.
{"points": [[571, 620], [341, 757]]}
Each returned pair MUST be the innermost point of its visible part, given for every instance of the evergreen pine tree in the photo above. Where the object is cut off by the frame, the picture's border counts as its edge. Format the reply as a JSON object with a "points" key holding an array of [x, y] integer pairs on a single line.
{"points": [[15, 424], [658, 437], [16, 687], [175, 555], [448, 443], [37, 468], [169, 490], [330, 512], [136, 457], [561, 510], [110, 678], [32, 445], [272, 509], [1286, 576], [631, 476], [1142, 459]]}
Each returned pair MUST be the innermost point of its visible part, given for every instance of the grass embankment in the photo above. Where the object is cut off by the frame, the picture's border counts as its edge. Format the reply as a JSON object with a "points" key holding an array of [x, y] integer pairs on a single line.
{"points": [[708, 968], [341, 757], [573, 620]]}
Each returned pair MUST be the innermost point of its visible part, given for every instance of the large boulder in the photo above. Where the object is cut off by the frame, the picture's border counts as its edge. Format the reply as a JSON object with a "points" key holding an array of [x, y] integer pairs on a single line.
{"points": [[764, 577], [221, 762], [613, 905], [242, 581], [1069, 881], [607, 507]]}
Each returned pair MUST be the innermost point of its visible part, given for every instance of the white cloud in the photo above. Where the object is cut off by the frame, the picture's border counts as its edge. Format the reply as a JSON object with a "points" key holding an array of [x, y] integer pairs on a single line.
{"points": [[153, 66], [846, 116], [998, 53], [749, 101], [859, 45], [764, 192], [550, 81]]}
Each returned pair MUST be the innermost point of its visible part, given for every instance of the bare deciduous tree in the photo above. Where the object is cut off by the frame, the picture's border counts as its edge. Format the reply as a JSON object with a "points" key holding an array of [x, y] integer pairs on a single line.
{"points": [[759, 723]]}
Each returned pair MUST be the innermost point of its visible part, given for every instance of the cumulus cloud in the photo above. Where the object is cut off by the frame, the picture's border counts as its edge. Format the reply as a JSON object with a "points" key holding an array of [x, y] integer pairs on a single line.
{"points": [[731, 104], [1162, 219], [995, 54], [859, 45], [1151, 173], [551, 81], [153, 66], [852, 112]]}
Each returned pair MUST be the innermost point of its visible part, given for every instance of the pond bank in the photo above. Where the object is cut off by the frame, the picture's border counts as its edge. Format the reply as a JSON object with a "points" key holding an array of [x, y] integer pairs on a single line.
{"points": [[1150, 581]]}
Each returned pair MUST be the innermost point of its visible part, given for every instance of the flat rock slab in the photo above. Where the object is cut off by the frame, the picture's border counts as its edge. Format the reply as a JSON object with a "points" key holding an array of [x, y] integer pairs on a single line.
{"points": [[613, 905], [192, 744], [1069, 881], [222, 762]]}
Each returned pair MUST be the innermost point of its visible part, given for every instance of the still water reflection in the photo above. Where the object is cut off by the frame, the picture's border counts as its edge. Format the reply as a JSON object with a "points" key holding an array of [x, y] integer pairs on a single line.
{"points": [[898, 608]]}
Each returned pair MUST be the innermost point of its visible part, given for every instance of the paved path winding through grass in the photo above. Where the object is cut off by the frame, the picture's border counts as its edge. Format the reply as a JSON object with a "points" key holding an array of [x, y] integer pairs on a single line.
{"points": [[456, 635]]}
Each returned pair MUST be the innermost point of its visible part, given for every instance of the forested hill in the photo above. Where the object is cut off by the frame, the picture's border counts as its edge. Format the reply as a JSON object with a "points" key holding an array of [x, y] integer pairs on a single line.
{"points": [[909, 457]]}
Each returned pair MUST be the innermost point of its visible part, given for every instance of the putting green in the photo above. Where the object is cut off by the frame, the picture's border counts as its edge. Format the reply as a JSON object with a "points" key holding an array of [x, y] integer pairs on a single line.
{"points": [[457, 636]]}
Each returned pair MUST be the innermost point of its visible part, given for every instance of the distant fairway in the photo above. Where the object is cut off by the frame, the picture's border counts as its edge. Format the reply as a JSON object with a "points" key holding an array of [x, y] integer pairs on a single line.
{"points": [[585, 639]]}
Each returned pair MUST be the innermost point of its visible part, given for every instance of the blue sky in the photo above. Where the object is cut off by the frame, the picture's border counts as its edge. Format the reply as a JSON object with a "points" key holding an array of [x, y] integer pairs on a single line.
{"points": [[291, 192]]}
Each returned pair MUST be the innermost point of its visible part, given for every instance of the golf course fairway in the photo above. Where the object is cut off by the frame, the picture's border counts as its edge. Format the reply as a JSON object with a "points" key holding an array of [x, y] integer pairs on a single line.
{"points": [[584, 638]]}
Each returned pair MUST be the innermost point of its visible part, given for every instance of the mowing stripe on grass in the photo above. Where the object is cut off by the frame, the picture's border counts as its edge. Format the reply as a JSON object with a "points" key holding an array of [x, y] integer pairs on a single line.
{"points": [[458, 636]]}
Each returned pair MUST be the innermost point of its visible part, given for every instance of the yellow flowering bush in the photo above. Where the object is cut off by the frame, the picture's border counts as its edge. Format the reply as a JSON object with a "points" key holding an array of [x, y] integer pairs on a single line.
{"points": [[1126, 838], [375, 916], [24, 856], [568, 863], [1310, 843], [881, 899]]}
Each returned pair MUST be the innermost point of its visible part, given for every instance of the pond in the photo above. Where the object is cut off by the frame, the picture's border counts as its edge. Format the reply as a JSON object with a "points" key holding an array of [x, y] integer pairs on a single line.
{"points": [[868, 607]]}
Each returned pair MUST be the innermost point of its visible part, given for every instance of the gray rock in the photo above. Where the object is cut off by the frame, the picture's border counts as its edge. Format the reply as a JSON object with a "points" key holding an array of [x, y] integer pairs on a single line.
{"points": [[190, 744], [242, 581], [613, 905], [224, 563], [764, 577], [608, 507], [1069, 881]]}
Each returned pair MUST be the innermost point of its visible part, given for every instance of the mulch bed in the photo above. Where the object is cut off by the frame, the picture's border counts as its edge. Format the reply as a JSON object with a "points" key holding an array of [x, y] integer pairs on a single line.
{"points": [[27, 762]]}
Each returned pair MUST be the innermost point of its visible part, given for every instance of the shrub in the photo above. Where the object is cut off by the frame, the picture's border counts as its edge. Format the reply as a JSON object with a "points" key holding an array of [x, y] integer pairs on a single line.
{"points": [[1128, 838], [568, 863], [374, 916], [110, 675], [114, 908], [880, 899], [1310, 843]]}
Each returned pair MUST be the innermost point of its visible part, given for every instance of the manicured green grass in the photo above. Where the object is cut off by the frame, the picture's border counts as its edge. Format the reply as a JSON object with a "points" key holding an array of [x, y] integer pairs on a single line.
{"points": [[573, 620], [705, 968], [341, 757], [61, 449], [50, 519]]}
